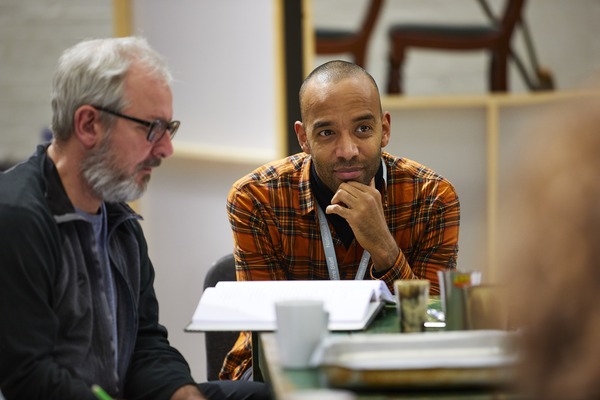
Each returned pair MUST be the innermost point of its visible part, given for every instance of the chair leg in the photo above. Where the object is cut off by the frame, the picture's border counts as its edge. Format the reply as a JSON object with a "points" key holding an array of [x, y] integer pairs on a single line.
{"points": [[359, 57], [499, 71], [396, 65]]}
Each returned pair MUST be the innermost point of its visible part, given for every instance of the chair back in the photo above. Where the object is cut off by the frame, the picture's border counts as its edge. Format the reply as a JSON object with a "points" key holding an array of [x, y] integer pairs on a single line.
{"points": [[509, 18], [494, 37], [218, 344], [335, 41]]}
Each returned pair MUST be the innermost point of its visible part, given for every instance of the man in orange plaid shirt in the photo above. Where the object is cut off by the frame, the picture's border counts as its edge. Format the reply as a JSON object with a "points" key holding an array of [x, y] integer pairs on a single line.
{"points": [[342, 209]]}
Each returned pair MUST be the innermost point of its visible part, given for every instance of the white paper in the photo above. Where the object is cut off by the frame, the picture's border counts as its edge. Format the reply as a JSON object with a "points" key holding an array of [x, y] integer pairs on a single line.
{"points": [[249, 305]]}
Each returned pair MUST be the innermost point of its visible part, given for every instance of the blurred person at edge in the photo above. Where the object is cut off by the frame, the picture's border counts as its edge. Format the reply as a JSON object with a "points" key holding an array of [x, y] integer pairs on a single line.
{"points": [[550, 228], [77, 303]]}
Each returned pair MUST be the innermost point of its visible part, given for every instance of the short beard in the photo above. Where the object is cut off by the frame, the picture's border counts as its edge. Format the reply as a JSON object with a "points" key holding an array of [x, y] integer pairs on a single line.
{"points": [[107, 181]]}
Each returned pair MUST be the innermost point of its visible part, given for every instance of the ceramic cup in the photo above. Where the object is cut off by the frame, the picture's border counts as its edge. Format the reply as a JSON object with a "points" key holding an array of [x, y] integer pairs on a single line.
{"points": [[301, 325]]}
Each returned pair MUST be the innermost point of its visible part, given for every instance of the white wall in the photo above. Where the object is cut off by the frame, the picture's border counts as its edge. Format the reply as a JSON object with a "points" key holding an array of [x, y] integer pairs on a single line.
{"points": [[451, 141], [187, 229], [33, 34], [222, 55]]}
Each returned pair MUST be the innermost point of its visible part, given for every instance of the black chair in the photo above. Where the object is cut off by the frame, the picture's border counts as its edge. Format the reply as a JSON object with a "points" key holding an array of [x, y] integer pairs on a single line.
{"points": [[336, 41], [495, 38], [218, 344]]}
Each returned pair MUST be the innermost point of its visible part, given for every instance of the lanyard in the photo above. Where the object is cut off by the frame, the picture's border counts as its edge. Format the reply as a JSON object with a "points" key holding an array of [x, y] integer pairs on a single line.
{"points": [[332, 265]]}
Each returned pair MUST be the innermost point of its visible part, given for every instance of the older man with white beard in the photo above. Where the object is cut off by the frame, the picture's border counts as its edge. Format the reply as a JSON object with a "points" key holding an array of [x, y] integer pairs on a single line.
{"points": [[77, 303]]}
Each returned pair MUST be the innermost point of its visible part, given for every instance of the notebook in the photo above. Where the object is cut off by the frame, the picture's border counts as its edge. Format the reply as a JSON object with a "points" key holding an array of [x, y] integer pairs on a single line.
{"points": [[250, 305]]}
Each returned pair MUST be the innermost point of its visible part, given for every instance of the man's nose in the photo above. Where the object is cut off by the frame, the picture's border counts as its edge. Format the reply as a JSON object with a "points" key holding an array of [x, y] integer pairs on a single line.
{"points": [[163, 148], [346, 146]]}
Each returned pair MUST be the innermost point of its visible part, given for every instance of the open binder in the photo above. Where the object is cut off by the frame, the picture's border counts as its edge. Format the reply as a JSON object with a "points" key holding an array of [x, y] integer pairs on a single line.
{"points": [[250, 305]]}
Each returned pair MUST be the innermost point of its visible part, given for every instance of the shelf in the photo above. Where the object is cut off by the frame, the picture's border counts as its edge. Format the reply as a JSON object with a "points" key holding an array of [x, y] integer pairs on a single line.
{"points": [[484, 100], [237, 155]]}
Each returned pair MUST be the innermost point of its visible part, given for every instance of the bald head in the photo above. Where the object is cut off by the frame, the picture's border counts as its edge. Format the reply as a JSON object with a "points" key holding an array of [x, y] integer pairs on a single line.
{"points": [[332, 72]]}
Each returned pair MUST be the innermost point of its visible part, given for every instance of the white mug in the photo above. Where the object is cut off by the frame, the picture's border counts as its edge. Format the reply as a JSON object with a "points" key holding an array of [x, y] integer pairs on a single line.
{"points": [[301, 325]]}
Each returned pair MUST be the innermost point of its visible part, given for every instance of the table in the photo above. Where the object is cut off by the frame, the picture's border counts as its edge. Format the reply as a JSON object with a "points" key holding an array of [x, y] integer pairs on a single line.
{"points": [[286, 382]]}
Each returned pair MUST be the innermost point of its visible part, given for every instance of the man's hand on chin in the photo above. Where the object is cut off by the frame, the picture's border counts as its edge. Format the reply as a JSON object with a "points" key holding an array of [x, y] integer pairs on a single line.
{"points": [[360, 205]]}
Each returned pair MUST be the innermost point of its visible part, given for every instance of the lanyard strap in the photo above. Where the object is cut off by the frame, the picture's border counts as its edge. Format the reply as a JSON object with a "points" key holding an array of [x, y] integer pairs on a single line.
{"points": [[332, 265]]}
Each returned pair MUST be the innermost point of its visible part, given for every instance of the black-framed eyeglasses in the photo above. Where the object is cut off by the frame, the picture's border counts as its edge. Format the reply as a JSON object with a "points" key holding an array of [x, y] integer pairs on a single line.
{"points": [[156, 128]]}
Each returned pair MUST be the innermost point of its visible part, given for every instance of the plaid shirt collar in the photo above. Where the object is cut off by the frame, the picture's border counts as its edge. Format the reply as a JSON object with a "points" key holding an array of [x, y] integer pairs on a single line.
{"points": [[307, 200]]}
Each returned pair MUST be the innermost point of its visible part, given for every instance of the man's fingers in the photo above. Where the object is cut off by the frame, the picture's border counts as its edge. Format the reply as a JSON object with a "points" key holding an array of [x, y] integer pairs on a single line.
{"points": [[350, 185], [338, 209], [342, 196]]}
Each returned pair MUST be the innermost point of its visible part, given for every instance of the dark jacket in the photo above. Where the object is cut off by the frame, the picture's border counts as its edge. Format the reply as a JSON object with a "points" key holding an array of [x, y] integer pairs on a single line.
{"points": [[55, 336]]}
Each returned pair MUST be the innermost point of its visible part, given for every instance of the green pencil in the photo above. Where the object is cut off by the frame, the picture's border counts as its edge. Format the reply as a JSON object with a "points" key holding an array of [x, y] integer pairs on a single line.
{"points": [[100, 393]]}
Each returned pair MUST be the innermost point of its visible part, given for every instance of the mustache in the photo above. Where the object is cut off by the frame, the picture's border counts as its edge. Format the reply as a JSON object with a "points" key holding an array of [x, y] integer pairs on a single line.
{"points": [[347, 164], [152, 163]]}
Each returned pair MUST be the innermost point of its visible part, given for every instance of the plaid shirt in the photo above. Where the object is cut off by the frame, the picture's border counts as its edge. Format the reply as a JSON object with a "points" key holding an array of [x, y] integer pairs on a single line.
{"points": [[277, 237]]}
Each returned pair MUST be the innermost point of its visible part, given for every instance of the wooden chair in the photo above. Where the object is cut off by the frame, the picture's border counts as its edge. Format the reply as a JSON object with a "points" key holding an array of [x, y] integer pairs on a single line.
{"points": [[218, 344], [336, 41], [493, 37]]}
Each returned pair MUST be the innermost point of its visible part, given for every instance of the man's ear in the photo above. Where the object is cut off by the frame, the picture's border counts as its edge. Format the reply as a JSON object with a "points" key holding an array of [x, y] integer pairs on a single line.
{"points": [[302, 139], [386, 128], [86, 125]]}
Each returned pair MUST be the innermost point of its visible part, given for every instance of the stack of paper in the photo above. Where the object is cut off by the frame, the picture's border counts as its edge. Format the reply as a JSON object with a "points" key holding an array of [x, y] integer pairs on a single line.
{"points": [[424, 360]]}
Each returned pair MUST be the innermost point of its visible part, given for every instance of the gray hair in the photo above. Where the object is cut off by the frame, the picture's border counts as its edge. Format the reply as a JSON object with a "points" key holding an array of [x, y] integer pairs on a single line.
{"points": [[93, 72]]}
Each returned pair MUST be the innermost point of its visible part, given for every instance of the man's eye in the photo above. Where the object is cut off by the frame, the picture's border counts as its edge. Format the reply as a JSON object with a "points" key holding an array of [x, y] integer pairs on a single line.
{"points": [[326, 133], [363, 128]]}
